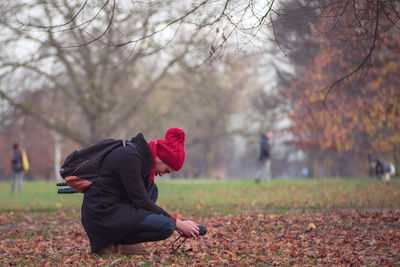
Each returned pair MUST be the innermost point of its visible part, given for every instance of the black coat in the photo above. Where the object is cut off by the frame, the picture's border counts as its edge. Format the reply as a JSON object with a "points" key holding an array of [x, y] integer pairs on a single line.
{"points": [[119, 199], [16, 161], [265, 149]]}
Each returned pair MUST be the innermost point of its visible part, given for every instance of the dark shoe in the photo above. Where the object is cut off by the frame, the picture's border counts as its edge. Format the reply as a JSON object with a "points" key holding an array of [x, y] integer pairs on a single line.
{"points": [[133, 249], [110, 250]]}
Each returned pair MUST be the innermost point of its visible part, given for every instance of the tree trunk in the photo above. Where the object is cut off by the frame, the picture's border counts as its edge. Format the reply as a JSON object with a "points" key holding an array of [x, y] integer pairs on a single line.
{"points": [[311, 163], [57, 155], [209, 161]]}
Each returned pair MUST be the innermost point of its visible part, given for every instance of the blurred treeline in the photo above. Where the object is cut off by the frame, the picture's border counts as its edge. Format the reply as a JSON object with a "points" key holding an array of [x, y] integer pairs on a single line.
{"points": [[62, 88]]}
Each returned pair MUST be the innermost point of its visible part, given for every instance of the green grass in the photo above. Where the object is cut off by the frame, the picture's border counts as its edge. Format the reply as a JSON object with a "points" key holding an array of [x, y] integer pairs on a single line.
{"points": [[36, 196], [205, 197], [237, 196]]}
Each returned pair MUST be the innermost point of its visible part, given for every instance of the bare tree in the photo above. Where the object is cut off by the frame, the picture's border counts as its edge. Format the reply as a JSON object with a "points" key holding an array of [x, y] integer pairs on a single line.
{"points": [[96, 88], [231, 17], [250, 21]]}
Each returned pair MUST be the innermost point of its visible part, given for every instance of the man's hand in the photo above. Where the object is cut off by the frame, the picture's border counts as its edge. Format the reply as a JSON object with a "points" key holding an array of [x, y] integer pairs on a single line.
{"points": [[187, 228]]}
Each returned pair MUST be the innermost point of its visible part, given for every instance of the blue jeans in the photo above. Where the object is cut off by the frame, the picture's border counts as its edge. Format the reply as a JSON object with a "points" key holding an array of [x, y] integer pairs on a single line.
{"points": [[154, 227]]}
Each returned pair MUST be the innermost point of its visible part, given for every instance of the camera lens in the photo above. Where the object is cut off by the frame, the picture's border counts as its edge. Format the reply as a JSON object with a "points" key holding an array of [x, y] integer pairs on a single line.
{"points": [[202, 229]]}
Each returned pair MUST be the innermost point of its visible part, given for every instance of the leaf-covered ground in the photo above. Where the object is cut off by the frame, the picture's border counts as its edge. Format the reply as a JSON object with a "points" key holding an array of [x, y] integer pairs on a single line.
{"points": [[325, 238]]}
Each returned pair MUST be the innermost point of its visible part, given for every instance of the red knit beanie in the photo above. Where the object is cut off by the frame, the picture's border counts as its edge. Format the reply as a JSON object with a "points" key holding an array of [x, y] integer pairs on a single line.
{"points": [[171, 150]]}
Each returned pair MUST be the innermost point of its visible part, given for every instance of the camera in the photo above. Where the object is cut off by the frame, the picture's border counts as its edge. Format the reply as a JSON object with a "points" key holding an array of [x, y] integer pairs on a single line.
{"points": [[202, 230]]}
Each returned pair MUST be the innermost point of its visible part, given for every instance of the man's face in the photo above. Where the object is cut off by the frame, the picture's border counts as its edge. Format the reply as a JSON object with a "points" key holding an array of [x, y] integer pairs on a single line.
{"points": [[162, 168]]}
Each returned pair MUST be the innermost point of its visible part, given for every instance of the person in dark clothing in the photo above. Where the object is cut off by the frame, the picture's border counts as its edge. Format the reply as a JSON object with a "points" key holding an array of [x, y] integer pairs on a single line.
{"points": [[265, 156], [381, 168], [17, 175], [119, 210]]}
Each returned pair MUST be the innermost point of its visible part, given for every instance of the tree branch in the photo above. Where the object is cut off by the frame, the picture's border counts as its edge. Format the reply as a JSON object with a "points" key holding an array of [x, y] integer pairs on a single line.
{"points": [[375, 39], [51, 123], [58, 25]]}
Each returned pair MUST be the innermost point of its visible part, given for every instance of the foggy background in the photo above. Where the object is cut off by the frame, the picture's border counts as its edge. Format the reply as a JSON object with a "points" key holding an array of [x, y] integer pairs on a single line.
{"points": [[74, 72]]}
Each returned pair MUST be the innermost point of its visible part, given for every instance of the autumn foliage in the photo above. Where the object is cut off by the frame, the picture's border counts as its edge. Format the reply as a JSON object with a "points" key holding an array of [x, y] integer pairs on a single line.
{"points": [[310, 222], [322, 238], [346, 98]]}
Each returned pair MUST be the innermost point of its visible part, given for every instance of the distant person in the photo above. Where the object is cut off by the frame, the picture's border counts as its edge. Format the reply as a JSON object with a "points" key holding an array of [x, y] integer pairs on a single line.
{"points": [[381, 168], [265, 156], [19, 164], [119, 209]]}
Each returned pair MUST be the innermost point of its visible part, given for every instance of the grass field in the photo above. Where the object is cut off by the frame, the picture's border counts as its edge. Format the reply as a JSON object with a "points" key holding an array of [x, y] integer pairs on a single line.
{"points": [[207, 197], [281, 222]]}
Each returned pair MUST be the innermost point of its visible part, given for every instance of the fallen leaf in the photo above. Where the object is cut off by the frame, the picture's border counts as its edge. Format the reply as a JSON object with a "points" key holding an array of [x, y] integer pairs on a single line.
{"points": [[310, 227]]}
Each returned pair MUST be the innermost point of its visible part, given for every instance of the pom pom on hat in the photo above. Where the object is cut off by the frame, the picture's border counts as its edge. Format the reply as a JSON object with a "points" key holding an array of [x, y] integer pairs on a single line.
{"points": [[171, 150]]}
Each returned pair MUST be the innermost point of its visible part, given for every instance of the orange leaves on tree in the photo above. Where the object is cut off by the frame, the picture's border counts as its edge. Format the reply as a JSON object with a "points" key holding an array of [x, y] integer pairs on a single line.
{"points": [[362, 112]]}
